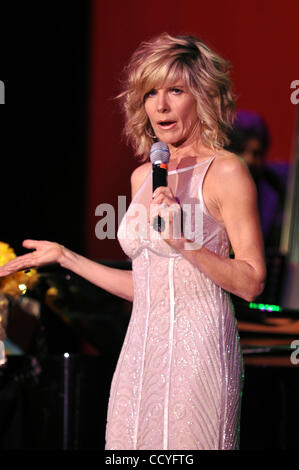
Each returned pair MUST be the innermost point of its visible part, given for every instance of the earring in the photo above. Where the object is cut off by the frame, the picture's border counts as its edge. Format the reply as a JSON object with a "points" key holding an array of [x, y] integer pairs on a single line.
{"points": [[150, 135]]}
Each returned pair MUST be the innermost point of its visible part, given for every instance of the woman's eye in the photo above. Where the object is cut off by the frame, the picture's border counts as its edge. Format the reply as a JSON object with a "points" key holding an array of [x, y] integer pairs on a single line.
{"points": [[150, 93], [176, 91]]}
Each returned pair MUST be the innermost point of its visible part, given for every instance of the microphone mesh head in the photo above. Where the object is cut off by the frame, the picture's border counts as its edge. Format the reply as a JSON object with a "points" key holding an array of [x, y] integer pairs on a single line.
{"points": [[159, 153]]}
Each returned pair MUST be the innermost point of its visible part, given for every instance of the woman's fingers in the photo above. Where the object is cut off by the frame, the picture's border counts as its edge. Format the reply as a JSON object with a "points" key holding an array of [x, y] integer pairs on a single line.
{"points": [[164, 195], [163, 190], [45, 253], [162, 199], [17, 264], [164, 203], [30, 244], [24, 261], [170, 212]]}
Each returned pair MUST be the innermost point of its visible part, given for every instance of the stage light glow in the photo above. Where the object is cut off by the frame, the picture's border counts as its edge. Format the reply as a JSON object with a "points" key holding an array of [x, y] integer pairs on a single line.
{"points": [[267, 307]]}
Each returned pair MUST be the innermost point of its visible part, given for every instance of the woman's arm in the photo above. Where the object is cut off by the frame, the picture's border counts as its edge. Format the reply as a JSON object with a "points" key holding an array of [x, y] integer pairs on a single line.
{"points": [[240, 277], [236, 198], [116, 281]]}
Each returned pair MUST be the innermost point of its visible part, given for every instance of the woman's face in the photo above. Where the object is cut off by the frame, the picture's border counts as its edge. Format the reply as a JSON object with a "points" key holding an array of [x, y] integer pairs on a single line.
{"points": [[172, 113]]}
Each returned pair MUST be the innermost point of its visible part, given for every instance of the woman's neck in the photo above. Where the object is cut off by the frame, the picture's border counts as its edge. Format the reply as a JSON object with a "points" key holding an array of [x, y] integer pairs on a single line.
{"points": [[193, 150]]}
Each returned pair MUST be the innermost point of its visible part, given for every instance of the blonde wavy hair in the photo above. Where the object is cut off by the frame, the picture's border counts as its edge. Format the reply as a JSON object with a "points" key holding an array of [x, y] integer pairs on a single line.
{"points": [[166, 59]]}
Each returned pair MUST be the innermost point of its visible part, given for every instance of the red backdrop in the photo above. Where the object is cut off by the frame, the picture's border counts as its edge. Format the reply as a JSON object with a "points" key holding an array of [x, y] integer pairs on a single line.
{"points": [[259, 38]]}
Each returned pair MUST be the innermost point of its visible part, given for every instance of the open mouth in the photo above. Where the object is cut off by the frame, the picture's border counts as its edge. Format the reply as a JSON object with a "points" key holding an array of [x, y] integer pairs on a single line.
{"points": [[166, 124]]}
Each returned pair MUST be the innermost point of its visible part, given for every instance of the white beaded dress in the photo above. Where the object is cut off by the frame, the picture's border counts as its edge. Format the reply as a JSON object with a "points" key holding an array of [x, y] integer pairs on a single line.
{"points": [[178, 381]]}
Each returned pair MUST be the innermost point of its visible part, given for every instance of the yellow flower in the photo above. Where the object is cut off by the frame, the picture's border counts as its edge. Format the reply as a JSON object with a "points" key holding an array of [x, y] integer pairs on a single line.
{"points": [[18, 283], [6, 253]]}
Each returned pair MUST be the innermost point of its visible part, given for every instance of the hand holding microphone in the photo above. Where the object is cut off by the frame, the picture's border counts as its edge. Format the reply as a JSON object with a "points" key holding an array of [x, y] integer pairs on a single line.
{"points": [[164, 197], [159, 156]]}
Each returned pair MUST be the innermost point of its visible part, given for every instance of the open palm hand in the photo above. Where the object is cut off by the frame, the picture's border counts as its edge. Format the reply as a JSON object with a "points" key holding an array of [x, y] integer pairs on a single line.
{"points": [[45, 253]]}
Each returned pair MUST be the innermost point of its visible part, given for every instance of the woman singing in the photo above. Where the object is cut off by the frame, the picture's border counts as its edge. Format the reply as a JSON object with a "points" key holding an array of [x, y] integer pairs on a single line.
{"points": [[178, 381]]}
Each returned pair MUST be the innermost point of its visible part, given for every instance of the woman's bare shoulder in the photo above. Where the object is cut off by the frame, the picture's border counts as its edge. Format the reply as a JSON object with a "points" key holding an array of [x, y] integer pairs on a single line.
{"points": [[227, 167], [227, 162], [231, 175], [138, 176]]}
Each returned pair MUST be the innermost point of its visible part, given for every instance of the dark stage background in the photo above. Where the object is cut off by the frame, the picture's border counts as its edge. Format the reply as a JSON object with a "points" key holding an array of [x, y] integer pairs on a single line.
{"points": [[44, 64]]}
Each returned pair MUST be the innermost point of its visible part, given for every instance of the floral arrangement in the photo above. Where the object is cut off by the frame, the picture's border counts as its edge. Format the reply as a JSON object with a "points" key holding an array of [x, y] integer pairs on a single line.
{"points": [[18, 283]]}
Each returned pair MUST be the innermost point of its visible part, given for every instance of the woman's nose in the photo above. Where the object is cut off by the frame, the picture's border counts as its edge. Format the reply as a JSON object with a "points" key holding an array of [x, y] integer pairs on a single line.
{"points": [[163, 105]]}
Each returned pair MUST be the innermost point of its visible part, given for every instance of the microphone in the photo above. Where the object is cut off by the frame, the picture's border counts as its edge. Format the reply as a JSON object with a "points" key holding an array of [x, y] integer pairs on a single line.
{"points": [[159, 156]]}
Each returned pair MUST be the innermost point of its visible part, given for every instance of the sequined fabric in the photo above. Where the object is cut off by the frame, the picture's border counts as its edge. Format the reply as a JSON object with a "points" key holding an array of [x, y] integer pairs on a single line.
{"points": [[179, 377]]}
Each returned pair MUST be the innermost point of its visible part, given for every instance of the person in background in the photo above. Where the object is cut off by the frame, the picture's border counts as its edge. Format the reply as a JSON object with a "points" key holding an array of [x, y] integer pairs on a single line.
{"points": [[250, 138]]}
